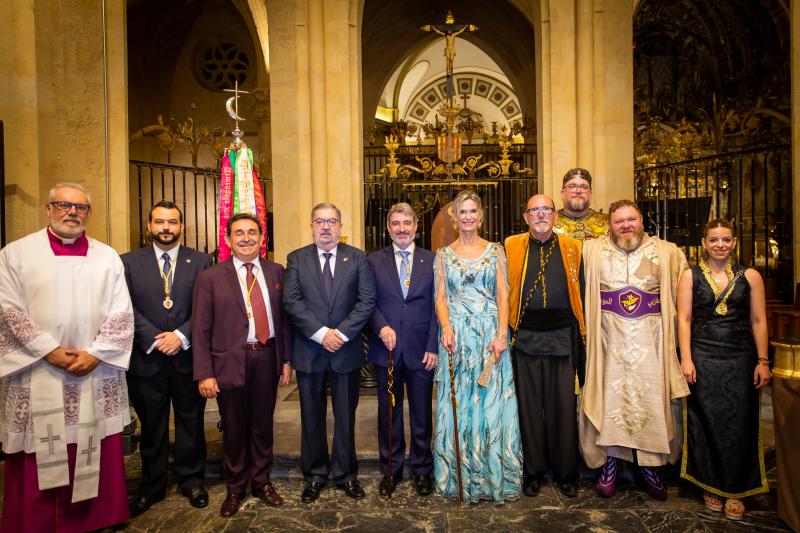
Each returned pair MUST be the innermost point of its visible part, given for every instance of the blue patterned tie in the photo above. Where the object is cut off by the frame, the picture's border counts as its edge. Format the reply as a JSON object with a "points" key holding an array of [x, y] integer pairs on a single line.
{"points": [[166, 268], [405, 278]]}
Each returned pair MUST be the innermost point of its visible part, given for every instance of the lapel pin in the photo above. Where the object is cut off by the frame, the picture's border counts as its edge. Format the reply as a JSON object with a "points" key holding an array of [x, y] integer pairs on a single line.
{"points": [[345, 259], [188, 260]]}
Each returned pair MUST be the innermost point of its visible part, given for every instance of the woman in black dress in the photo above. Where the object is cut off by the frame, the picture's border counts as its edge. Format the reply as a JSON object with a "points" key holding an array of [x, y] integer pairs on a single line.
{"points": [[722, 331]]}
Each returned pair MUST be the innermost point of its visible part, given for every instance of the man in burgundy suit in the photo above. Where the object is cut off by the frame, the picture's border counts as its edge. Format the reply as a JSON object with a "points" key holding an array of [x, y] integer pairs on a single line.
{"points": [[242, 342]]}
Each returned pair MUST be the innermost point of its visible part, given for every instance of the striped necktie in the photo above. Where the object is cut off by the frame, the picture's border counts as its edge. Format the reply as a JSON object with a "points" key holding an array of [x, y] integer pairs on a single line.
{"points": [[405, 267]]}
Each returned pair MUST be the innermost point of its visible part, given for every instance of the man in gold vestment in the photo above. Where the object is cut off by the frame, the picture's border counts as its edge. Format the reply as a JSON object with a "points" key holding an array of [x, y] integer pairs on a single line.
{"points": [[632, 371], [576, 219]]}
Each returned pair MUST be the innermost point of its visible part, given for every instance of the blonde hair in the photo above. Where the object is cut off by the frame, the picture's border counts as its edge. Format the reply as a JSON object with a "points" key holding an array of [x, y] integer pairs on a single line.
{"points": [[462, 197]]}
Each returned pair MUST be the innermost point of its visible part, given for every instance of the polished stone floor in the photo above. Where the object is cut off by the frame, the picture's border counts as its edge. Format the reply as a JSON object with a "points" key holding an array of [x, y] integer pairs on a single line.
{"points": [[630, 510]]}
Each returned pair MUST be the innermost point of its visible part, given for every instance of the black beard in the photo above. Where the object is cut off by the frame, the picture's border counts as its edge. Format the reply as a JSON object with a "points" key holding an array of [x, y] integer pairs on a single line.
{"points": [[159, 239]]}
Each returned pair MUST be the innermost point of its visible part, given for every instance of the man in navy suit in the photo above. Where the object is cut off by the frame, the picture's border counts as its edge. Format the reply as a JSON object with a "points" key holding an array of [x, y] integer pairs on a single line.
{"points": [[160, 281], [329, 293], [404, 322]]}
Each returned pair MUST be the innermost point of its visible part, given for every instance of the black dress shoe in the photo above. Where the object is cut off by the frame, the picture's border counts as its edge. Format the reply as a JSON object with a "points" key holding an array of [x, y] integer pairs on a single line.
{"points": [[352, 488], [424, 484], [570, 490], [531, 487], [388, 484], [198, 497], [311, 491], [142, 503]]}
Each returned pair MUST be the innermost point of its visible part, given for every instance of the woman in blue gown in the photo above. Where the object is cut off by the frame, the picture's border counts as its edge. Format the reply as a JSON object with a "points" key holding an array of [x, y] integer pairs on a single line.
{"points": [[472, 308]]}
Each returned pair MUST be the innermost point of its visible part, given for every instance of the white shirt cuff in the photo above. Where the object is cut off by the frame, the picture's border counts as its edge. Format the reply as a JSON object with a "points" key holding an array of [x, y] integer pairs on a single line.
{"points": [[342, 335], [319, 335], [185, 344]]}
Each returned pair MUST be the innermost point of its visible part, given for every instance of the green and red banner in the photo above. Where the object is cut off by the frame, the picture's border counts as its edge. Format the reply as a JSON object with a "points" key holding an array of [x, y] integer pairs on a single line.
{"points": [[239, 192]]}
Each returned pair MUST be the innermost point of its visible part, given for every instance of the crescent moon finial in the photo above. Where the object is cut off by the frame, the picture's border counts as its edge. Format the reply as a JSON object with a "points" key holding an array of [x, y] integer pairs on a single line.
{"points": [[229, 108]]}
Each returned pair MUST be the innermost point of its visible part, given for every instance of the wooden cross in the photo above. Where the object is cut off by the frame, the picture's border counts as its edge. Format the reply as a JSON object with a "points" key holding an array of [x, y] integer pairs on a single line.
{"points": [[88, 451], [50, 438]]}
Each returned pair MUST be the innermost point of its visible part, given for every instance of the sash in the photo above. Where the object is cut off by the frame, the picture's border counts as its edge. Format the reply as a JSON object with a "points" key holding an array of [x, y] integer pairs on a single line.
{"points": [[630, 302], [87, 458], [225, 206], [49, 429]]}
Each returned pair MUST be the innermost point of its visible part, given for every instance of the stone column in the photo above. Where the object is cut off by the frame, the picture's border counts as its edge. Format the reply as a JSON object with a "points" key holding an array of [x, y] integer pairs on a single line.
{"points": [[63, 99], [315, 93], [584, 74]]}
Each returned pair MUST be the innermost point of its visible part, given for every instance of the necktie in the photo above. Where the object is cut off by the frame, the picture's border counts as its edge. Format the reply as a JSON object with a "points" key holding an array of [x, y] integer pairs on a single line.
{"points": [[327, 275], [166, 270], [405, 278], [258, 306]]}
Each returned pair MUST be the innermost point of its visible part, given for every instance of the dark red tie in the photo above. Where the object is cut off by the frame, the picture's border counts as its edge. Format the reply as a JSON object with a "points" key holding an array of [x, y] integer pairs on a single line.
{"points": [[258, 306]]}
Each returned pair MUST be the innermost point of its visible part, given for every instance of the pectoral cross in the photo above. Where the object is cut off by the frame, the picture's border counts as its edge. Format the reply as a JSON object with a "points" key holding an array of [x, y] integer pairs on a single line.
{"points": [[88, 451], [50, 438]]}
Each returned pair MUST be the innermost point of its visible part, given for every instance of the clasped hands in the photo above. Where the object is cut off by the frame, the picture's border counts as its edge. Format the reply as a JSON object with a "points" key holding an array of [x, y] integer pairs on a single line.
{"points": [[168, 343], [75, 362], [332, 341]]}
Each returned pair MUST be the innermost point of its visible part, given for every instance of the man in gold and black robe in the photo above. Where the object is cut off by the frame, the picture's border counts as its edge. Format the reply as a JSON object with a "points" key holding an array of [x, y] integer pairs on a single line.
{"points": [[576, 219]]}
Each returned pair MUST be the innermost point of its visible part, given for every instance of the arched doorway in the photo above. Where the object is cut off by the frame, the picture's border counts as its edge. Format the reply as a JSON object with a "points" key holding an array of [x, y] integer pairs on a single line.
{"points": [[406, 83]]}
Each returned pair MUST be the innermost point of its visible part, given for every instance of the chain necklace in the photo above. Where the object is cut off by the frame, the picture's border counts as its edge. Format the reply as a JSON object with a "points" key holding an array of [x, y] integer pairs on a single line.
{"points": [[722, 307], [544, 259]]}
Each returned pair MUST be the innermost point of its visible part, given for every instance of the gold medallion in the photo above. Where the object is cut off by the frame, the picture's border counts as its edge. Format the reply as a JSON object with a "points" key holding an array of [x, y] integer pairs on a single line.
{"points": [[249, 315], [167, 303], [408, 282]]}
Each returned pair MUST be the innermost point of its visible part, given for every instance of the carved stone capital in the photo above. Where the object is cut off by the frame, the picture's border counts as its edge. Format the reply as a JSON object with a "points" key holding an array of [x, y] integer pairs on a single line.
{"points": [[259, 103]]}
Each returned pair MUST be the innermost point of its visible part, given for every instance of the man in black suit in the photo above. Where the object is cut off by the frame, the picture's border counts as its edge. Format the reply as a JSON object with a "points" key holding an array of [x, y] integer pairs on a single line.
{"points": [[160, 280], [329, 293]]}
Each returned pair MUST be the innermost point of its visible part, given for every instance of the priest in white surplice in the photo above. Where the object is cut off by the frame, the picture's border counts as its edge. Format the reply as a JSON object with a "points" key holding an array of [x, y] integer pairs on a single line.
{"points": [[66, 330]]}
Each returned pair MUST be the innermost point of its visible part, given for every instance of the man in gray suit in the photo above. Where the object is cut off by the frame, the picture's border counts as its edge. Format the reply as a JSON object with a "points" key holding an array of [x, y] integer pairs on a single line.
{"points": [[329, 293], [160, 280]]}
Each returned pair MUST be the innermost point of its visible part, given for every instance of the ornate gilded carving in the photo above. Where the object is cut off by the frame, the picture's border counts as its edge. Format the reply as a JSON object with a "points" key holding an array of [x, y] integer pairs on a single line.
{"points": [[186, 132]]}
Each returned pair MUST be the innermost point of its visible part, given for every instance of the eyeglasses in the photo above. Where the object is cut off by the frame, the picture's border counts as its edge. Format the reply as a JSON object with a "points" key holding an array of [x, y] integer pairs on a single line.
{"points": [[65, 207], [322, 221], [577, 187], [536, 210]]}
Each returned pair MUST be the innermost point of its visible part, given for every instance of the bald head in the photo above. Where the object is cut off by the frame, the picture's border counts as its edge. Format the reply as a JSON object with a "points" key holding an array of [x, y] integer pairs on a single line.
{"points": [[540, 215]]}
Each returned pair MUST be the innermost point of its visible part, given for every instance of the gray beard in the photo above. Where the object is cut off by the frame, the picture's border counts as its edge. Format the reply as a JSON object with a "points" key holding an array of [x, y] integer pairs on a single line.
{"points": [[577, 204], [628, 245]]}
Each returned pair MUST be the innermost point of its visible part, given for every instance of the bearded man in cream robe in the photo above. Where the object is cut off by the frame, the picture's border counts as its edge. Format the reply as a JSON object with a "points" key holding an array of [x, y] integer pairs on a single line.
{"points": [[66, 330], [630, 405]]}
